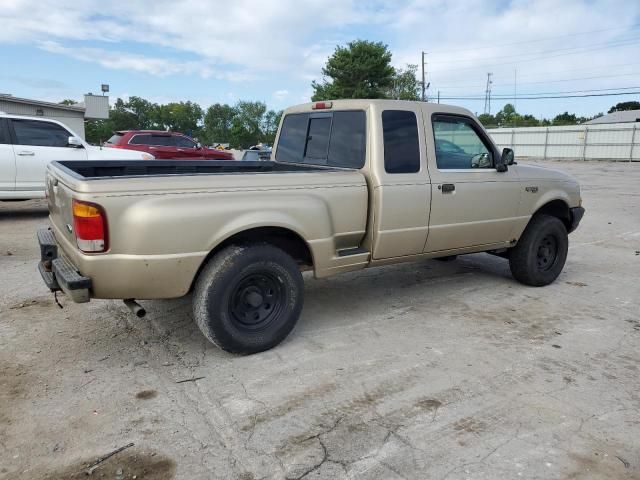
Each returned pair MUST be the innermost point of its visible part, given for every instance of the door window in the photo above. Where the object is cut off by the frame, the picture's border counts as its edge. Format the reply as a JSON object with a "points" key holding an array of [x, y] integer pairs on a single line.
{"points": [[459, 145], [401, 143], [39, 133]]}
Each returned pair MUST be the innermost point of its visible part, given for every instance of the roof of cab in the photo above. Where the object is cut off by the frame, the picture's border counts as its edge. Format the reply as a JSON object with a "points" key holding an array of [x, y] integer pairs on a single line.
{"points": [[364, 104]]}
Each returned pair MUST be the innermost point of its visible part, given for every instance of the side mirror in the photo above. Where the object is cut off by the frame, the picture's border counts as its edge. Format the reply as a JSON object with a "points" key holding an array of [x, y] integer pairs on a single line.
{"points": [[74, 142], [198, 145], [506, 159]]}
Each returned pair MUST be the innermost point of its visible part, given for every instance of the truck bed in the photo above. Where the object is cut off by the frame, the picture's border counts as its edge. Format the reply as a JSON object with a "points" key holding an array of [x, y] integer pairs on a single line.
{"points": [[102, 169]]}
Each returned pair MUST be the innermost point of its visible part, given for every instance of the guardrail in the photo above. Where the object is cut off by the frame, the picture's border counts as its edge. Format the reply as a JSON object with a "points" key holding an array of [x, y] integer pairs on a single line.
{"points": [[614, 141]]}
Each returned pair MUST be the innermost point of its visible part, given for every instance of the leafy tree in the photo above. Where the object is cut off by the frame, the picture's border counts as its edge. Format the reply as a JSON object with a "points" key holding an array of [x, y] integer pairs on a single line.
{"points": [[405, 84], [270, 123], [362, 69], [218, 121], [184, 117], [246, 124], [506, 116], [622, 106], [565, 118], [67, 101], [488, 120]]}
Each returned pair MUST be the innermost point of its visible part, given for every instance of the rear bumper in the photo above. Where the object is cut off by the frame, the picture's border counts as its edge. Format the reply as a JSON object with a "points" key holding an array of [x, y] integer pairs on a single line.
{"points": [[58, 273], [576, 215]]}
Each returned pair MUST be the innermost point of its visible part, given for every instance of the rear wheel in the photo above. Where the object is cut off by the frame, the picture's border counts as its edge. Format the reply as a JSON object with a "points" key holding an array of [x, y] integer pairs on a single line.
{"points": [[248, 298], [541, 252]]}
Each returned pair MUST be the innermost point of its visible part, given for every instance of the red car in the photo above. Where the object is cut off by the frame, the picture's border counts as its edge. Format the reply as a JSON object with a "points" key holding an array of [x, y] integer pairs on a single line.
{"points": [[164, 145]]}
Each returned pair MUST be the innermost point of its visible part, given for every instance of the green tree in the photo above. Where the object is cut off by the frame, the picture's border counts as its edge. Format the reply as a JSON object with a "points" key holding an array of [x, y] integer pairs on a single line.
{"points": [[184, 117], [405, 84], [270, 123], [506, 116], [362, 69], [218, 121], [67, 101], [565, 118], [247, 122], [488, 120], [619, 107]]}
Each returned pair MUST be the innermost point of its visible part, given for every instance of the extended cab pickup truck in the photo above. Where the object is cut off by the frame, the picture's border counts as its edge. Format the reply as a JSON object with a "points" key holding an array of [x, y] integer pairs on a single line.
{"points": [[352, 184]]}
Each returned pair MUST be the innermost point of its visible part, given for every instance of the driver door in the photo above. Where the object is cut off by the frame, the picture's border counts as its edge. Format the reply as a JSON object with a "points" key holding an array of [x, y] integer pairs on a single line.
{"points": [[472, 204]]}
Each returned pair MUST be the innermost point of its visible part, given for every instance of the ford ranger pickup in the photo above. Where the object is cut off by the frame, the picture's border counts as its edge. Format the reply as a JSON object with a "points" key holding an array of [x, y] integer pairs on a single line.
{"points": [[352, 184]]}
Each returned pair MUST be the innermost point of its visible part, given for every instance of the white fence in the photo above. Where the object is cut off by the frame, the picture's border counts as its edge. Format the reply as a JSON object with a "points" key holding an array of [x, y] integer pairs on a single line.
{"points": [[613, 141]]}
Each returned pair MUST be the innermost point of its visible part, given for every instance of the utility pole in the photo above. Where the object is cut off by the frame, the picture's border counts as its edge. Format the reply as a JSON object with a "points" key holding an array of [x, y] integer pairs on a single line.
{"points": [[424, 86], [438, 96], [487, 94], [515, 95]]}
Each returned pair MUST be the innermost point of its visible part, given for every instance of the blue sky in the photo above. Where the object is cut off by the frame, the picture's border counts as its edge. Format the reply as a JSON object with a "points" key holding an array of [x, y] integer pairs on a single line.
{"points": [[211, 51]]}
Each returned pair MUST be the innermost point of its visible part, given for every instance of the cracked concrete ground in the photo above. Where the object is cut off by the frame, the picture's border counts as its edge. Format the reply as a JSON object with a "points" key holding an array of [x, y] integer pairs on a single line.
{"points": [[423, 370]]}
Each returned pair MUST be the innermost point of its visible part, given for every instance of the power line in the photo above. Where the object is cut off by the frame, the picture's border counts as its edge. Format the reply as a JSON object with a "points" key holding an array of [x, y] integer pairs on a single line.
{"points": [[499, 95], [612, 43], [545, 57], [631, 27], [589, 70], [547, 97], [545, 81]]}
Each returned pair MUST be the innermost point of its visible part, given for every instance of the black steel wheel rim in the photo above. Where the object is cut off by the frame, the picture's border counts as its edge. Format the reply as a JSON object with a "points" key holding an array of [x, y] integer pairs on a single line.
{"points": [[256, 301], [547, 253]]}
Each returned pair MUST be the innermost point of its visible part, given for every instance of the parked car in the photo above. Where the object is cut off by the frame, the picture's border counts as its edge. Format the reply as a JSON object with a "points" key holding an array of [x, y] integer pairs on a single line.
{"points": [[28, 144], [165, 145], [256, 155], [354, 184]]}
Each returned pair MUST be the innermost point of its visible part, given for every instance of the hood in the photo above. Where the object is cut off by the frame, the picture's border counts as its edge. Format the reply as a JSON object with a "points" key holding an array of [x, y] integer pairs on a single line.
{"points": [[97, 153]]}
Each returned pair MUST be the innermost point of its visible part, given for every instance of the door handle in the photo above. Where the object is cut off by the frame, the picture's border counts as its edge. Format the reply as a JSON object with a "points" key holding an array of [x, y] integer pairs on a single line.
{"points": [[447, 187], [25, 153]]}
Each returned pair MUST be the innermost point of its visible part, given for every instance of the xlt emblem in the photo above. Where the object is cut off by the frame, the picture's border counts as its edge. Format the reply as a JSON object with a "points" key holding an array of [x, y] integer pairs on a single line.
{"points": [[531, 189]]}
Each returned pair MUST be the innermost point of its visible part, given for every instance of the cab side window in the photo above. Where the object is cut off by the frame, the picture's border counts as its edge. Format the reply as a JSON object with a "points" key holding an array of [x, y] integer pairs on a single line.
{"points": [[40, 134], [401, 143], [4, 132], [459, 145]]}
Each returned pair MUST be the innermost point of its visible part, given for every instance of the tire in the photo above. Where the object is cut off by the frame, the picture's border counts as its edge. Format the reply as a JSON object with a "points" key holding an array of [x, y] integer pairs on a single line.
{"points": [[248, 298], [540, 254]]}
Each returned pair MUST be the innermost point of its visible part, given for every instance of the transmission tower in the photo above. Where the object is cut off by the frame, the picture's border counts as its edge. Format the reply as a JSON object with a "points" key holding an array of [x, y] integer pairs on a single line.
{"points": [[487, 94]]}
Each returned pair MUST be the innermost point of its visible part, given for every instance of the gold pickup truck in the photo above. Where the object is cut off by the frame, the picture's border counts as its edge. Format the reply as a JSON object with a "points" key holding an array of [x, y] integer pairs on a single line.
{"points": [[352, 184]]}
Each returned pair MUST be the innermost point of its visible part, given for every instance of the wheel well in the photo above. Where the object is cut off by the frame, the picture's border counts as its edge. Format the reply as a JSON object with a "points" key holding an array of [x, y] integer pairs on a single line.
{"points": [[558, 209], [283, 238]]}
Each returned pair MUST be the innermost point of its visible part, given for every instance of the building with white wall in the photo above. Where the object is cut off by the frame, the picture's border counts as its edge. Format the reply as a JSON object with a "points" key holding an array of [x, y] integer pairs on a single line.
{"points": [[94, 107]]}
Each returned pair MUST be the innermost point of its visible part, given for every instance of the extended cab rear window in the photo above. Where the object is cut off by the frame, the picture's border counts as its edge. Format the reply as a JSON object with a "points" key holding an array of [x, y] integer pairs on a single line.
{"points": [[401, 143], [334, 139]]}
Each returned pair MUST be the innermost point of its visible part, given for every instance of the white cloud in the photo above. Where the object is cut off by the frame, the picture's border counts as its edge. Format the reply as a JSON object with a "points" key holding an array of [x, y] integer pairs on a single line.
{"points": [[288, 41], [280, 94]]}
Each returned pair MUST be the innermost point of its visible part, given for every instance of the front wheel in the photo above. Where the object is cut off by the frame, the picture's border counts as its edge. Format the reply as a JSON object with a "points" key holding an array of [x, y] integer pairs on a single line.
{"points": [[541, 252], [248, 298]]}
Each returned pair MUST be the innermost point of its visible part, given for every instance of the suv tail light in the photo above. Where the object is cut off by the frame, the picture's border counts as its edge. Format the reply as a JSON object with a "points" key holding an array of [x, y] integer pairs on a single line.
{"points": [[90, 226]]}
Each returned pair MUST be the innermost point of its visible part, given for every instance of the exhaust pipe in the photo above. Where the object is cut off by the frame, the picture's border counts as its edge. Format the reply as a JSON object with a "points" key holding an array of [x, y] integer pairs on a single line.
{"points": [[137, 309]]}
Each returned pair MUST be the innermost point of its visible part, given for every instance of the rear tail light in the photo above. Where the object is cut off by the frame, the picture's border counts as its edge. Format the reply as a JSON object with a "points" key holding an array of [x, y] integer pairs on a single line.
{"points": [[90, 226]]}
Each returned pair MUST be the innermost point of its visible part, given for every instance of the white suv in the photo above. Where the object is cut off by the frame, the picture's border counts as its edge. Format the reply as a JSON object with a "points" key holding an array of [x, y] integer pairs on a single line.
{"points": [[28, 144]]}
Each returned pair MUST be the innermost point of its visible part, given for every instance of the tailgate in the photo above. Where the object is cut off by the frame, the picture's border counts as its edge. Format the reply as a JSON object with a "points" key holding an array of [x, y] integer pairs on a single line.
{"points": [[60, 198]]}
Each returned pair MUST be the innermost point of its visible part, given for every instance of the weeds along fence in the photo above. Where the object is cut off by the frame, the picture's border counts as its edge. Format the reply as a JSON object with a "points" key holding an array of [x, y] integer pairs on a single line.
{"points": [[613, 141]]}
